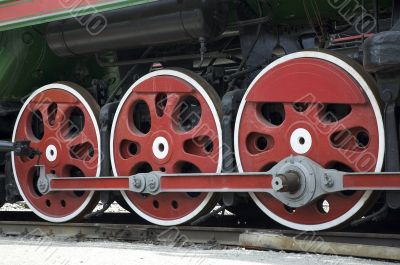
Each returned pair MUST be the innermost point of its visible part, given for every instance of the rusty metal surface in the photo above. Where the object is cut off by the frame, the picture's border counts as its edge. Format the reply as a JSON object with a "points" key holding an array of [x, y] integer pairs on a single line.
{"points": [[367, 245], [317, 244]]}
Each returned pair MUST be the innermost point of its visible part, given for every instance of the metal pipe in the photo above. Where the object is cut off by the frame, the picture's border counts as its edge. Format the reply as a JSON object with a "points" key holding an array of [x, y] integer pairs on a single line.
{"points": [[158, 23], [210, 55], [288, 182], [6, 146]]}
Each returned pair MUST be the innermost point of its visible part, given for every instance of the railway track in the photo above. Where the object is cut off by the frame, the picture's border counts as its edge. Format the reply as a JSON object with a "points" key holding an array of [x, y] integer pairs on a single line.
{"points": [[357, 244]]}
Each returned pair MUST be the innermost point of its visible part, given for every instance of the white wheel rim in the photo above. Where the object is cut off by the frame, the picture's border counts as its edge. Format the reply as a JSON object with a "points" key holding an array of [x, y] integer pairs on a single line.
{"points": [[92, 117], [375, 106], [207, 98]]}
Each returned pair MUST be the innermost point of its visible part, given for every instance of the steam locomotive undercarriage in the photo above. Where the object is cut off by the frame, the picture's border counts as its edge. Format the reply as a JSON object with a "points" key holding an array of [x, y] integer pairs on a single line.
{"points": [[175, 107]]}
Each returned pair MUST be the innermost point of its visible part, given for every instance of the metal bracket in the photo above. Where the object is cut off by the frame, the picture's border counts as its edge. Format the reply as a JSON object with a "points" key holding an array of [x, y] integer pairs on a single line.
{"points": [[298, 180], [145, 182], [20, 148], [43, 183], [381, 57]]}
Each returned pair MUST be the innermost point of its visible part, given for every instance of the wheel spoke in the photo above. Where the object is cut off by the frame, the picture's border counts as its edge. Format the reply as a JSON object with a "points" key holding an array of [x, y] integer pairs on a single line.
{"points": [[62, 113], [85, 166], [150, 100], [352, 120], [254, 123], [48, 130], [170, 111], [204, 163], [130, 135], [264, 159]]}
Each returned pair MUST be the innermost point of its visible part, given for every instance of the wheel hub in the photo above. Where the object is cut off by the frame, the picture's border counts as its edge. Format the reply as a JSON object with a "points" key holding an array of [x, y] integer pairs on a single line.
{"points": [[160, 147], [294, 182], [161, 143], [301, 141], [51, 153]]}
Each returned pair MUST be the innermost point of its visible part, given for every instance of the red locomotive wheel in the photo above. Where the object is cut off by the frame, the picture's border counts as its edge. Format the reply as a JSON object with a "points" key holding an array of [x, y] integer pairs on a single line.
{"points": [[317, 105], [60, 120], [168, 121]]}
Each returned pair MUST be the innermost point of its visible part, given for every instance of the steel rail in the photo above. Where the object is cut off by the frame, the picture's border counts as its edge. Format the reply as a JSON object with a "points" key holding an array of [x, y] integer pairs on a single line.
{"points": [[364, 245]]}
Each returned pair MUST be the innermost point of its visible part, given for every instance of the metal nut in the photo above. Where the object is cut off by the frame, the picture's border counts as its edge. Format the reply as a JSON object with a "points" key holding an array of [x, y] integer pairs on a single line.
{"points": [[328, 181], [43, 185], [137, 183]]}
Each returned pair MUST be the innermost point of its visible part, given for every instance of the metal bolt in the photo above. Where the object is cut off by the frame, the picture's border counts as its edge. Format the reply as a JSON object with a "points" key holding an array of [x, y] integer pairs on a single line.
{"points": [[328, 181], [138, 183], [43, 185], [27, 38], [277, 184], [152, 184], [387, 95]]}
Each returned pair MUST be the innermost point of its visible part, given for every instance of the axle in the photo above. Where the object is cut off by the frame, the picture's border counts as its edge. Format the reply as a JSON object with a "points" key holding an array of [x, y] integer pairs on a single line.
{"points": [[295, 181], [20, 148]]}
